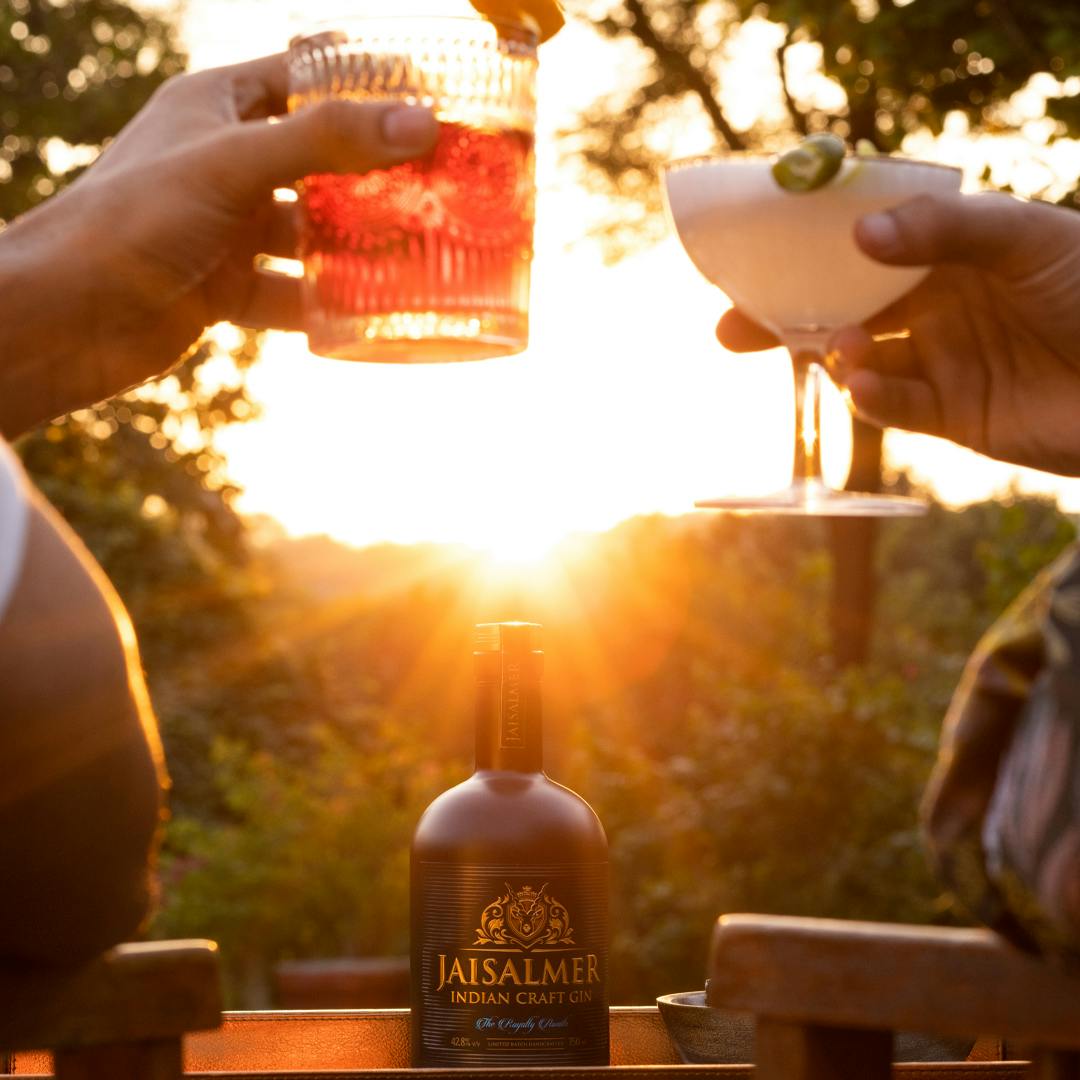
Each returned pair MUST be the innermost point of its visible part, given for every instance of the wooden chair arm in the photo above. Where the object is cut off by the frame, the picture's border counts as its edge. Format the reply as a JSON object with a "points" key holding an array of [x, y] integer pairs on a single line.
{"points": [[889, 977], [131, 1005]]}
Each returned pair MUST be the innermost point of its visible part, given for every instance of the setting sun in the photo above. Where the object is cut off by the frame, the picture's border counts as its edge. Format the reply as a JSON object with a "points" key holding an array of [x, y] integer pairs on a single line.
{"points": [[518, 549]]}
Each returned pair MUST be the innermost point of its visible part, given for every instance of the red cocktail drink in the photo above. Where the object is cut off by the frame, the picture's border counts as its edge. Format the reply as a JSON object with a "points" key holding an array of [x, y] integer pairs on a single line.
{"points": [[428, 260], [438, 243]]}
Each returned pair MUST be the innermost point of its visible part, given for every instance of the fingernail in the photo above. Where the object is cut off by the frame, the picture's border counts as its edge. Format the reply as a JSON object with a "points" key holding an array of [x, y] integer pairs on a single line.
{"points": [[880, 232], [408, 127]]}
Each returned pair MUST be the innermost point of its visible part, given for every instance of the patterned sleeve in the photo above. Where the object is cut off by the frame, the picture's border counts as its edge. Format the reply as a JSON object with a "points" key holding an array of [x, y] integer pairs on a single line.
{"points": [[14, 515], [1003, 808]]}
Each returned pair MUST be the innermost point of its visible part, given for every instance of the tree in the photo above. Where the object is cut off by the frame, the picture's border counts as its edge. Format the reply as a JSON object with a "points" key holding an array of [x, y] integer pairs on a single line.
{"points": [[71, 75], [885, 70]]}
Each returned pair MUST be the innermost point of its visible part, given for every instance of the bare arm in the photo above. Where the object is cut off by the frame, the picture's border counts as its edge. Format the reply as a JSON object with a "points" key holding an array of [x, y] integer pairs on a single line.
{"points": [[81, 771]]}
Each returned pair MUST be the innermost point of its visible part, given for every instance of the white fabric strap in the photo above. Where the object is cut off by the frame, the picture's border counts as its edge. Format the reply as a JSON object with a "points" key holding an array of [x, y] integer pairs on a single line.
{"points": [[14, 517]]}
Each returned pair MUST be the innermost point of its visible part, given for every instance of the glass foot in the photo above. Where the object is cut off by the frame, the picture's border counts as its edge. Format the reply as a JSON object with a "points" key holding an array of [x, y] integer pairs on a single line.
{"points": [[817, 500]]}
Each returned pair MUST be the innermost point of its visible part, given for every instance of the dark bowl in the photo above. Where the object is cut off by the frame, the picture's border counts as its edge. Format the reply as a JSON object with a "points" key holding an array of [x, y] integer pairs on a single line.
{"points": [[707, 1036]]}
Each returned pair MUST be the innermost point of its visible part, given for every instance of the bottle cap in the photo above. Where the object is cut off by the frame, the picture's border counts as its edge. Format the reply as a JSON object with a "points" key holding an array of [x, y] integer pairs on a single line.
{"points": [[519, 637]]}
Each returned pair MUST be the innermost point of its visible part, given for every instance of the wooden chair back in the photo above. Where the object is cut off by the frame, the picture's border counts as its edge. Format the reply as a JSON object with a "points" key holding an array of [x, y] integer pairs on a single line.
{"points": [[828, 995], [122, 1016]]}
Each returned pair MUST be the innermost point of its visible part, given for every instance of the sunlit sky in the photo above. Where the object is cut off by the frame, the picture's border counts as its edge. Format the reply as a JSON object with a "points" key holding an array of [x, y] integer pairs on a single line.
{"points": [[623, 403]]}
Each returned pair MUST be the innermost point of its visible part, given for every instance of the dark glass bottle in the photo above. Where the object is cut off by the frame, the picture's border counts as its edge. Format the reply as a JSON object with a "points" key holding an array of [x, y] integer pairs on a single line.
{"points": [[509, 892]]}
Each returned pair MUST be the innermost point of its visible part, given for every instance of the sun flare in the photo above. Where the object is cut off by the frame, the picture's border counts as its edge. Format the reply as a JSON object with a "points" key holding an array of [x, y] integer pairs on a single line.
{"points": [[513, 547]]}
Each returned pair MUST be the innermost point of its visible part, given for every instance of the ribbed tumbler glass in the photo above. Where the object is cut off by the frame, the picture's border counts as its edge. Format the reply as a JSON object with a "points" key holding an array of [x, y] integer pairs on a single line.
{"points": [[427, 261]]}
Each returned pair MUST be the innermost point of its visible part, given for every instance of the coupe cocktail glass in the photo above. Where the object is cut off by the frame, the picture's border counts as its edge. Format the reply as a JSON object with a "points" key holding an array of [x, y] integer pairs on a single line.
{"points": [[427, 261], [789, 261]]}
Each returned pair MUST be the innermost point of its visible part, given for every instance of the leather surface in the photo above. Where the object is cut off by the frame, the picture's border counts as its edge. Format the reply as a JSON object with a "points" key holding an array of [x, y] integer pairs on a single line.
{"points": [[351, 1043], [948, 1071], [368, 1039]]}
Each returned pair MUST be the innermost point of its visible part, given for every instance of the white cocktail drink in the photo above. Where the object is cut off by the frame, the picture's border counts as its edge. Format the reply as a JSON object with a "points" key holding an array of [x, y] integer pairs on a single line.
{"points": [[789, 260]]}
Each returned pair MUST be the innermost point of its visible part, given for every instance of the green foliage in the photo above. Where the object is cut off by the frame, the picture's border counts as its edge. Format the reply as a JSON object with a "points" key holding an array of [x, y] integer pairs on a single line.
{"points": [[309, 861], [955, 570], [72, 73], [140, 480], [793, 796], [149, 457]]}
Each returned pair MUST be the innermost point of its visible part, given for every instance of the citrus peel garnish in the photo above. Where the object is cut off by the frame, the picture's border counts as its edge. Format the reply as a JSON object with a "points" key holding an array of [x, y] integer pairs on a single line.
{"points": [[544, 17]]}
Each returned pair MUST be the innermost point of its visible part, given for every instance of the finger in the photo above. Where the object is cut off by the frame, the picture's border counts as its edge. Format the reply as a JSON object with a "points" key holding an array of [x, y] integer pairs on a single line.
{"points": [[255, 88], [245, 162], [739, 333], [890, 401], [854, 349], [260, 87], [894, 319], [272, 302], [278, 229], [898, 316], [982, 230]]}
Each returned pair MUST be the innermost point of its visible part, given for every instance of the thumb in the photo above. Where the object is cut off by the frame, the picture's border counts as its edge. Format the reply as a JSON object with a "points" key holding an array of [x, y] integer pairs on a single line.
{"points": [[247, 161], [985, 230]]}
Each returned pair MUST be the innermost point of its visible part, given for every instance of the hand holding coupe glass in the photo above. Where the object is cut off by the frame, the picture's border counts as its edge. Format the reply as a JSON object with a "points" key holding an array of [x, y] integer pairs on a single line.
{"points": [[991, 359], [984, 351], [777, 235]]}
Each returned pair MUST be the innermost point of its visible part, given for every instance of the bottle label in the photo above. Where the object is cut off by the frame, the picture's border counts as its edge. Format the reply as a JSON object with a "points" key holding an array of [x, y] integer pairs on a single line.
{"points": [[513, 705], [511, 968]]}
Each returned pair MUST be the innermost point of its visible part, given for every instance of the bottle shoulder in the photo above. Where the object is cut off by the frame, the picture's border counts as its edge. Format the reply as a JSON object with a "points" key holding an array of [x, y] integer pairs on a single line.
{"points": [[497, 811]]}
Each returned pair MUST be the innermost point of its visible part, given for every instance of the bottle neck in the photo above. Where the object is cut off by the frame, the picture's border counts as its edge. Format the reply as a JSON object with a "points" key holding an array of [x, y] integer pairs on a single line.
{"points": [[509, 732]]}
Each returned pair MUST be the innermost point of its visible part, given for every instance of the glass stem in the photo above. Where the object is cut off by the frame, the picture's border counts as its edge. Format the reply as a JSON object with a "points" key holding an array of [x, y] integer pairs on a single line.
{"points": [[807, 465]]}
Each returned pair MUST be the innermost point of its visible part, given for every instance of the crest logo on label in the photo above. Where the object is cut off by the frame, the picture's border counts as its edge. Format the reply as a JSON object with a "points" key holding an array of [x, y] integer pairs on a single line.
{"points": [[524, 918]]}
